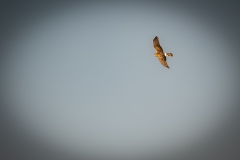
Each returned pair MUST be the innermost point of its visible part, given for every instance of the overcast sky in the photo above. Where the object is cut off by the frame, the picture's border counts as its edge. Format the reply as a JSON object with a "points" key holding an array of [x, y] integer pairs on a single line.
{"points": [[83, 78]]}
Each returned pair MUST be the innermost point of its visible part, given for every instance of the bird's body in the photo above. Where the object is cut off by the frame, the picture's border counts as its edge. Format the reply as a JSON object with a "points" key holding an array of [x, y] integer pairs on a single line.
{"points": [[162, 56]]}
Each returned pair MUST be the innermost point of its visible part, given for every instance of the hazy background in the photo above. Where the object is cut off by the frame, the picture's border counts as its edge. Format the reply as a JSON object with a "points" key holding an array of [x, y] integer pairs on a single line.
{"points": [[79, 80]]}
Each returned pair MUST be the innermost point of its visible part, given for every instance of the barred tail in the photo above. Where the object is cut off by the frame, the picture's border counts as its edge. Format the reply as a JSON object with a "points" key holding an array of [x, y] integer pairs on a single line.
{"points": [[169, 54]]}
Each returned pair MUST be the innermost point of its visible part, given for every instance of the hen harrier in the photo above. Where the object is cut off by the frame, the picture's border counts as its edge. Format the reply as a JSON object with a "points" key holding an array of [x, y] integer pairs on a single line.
{"points": [[162, 56]]}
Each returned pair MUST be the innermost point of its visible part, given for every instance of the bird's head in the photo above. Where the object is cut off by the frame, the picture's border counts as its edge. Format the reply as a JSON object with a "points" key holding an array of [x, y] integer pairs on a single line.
{"points": [[155, 54]]}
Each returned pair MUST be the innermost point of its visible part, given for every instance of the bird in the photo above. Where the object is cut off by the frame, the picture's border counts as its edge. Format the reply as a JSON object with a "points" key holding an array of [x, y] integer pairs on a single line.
{"points": [[162, 56]]}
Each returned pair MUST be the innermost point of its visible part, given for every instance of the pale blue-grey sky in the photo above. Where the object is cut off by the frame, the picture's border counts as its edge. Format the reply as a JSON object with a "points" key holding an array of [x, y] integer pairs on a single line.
{"points": [[84, 78]]}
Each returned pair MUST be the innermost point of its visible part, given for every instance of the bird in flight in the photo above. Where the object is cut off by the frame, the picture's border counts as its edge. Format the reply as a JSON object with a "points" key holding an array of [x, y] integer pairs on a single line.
{"points": [[162, 56]]}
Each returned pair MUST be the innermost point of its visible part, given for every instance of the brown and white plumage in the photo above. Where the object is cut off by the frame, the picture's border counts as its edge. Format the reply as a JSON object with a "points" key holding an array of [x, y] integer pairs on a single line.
{"points": [[159, 52]]}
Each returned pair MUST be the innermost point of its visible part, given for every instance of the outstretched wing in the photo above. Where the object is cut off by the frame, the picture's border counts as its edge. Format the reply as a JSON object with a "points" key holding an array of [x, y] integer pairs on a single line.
{"points": [[156, 45], [163, 60]]}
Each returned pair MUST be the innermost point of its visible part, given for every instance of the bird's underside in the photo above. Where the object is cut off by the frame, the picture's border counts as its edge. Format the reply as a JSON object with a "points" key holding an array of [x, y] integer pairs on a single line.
{"points": [[159, 52]]}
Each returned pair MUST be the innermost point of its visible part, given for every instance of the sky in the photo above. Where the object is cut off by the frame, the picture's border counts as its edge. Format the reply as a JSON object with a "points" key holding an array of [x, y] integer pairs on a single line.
{"points": [[81, 78]]}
